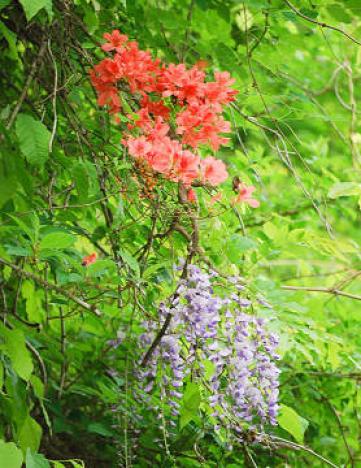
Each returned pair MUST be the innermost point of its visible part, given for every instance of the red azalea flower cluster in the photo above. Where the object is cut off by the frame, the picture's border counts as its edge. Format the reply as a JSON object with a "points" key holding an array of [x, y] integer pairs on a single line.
{"points": [[178, 110]]}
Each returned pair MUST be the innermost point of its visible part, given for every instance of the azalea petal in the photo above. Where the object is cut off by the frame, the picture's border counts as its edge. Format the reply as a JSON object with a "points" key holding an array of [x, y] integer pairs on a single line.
{"points": [[253, 202]]}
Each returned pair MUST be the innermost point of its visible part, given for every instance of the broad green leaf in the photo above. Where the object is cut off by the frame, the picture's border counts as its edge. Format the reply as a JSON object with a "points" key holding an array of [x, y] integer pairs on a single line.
{"points": [[10, 38], [4, 3], [339, 13], [15, 348], [30, 231], [334, 355], [33, 139], [190, 404], [32, 7], [84, 175], [91, 20], [100, 267], [81, 179], [292, 422], [56, 240], [38, 386], [344, 189], [98, 428], [237, 245], [30, 435], [16, 391], [209, 369], [227, 57], [33, 301], [36, 460], [270, 230], [10, 455], [8, 187], [151, 271], [19, 251], [130, 261]]}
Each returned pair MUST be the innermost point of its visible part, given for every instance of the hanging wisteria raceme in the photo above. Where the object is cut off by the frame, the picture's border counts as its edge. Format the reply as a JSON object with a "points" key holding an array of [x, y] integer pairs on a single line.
{"points": [[209, 332]]}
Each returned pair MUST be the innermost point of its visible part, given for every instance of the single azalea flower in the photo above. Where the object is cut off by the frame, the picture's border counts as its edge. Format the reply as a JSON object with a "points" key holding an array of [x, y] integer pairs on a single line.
{"points": [[213, 171], [115, 41], [245, 196], [89, 259]]}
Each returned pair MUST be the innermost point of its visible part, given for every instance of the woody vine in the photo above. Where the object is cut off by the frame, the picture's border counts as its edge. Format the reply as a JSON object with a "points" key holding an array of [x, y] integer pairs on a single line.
{"points": [[178, 227]]}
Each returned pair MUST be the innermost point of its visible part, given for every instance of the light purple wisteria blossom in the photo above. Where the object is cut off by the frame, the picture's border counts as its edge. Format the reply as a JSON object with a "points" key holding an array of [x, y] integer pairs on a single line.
{"points": [[210, 331]]}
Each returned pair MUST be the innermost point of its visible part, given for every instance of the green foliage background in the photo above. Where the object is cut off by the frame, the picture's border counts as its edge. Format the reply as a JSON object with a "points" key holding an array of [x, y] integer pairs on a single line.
{"points": [[67, 190]]}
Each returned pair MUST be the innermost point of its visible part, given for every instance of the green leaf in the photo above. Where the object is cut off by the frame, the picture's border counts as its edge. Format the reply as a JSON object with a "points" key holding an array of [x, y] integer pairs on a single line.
{"points": [[292, 422], [270, 230], [91, 20], [344, 189], [1, 376], [100, 267], [76, 464], [237, 245], [130, 261], [30, 231], [4, 3], [8, 185], [98, 428], [10, 37], [10, 455], [19, 251], [334, 355], [32, 7], [33, 301], [36, 460], [33, 139], [339, 13], [38, 386], [30, 435], [191, 402], [56, 240], [81, 180], [15, 348]]}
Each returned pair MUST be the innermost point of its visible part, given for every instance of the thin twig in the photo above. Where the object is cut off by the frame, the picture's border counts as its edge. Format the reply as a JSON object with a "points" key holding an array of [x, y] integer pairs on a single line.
{"points": [[336, 292], [339, 423], [41, 363], [64, 365], [320, 23], [264, 32], [292, 445], [55, 121]]}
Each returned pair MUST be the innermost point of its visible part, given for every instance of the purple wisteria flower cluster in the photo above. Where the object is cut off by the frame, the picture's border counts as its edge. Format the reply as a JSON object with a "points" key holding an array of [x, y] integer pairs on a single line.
{"points": [[212, 340]]}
